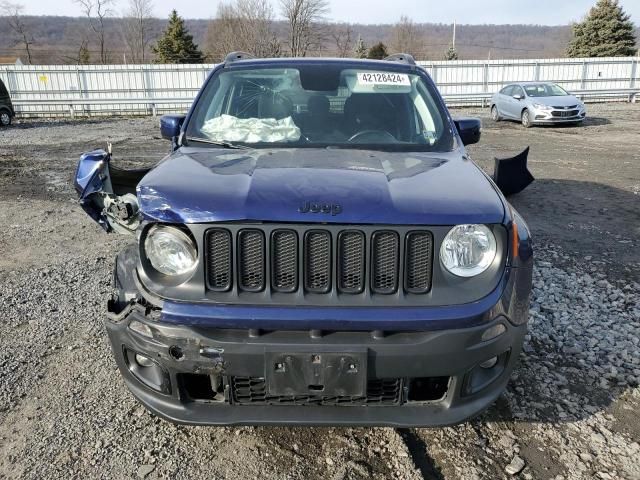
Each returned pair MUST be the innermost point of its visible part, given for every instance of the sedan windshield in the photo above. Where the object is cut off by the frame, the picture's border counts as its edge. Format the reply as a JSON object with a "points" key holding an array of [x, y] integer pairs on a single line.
{"points": [[545, 90], [320, 106]]}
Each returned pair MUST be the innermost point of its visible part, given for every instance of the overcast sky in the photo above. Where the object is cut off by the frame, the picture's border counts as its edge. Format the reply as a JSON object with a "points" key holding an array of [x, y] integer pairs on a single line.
{"points": [[544, 12]]}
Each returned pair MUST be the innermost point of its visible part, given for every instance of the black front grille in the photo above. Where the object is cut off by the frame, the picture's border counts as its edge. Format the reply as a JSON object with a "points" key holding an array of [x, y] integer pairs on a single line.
{"points": [[351, 261], [284, 261], [317, 261], [251, 260], [565, 113], [418, 262], [253, 391], [219, 270], [570, 107], [306, 260], [385, 251]]}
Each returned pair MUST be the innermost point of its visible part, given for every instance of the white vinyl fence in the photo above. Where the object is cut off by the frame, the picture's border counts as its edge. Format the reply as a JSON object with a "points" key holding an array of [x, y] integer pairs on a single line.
{"points": [[51, 90]]}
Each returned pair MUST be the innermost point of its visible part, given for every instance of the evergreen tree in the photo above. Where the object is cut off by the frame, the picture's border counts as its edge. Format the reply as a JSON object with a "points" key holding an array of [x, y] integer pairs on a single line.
{"points": [[451, 53], [378, 51], [84, 57], [606, 32], [176, 44], [361, 49]]}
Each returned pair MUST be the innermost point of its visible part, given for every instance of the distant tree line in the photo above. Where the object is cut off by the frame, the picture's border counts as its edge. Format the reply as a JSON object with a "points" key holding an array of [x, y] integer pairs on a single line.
{"points": [[290, 28]]}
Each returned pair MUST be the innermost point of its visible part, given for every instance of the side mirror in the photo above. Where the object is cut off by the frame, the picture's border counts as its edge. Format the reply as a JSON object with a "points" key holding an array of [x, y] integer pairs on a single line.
{"points": [[469, 129], [170, 126], [517, 96]]}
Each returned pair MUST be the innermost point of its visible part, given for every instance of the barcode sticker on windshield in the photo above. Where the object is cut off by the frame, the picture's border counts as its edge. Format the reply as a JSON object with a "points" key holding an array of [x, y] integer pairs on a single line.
{"points": [[383, 78]]}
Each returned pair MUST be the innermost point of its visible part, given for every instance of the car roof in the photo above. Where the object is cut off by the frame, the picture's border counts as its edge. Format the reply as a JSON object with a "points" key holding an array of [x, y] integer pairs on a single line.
{"points": [[387, 65]]}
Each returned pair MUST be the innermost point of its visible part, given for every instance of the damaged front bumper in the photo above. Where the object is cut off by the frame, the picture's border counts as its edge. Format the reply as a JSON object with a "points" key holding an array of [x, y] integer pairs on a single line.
{"points": [[215, 375]]}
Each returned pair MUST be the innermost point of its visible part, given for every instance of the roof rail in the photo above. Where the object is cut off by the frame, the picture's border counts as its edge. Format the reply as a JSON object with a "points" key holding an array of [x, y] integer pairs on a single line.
{"points": [[235, 56], [402, 58]]}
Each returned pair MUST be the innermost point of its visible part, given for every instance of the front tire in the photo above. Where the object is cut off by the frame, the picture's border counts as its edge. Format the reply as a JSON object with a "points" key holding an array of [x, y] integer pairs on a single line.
{"points": [[5, 118], [495, 115], [526, 119]]}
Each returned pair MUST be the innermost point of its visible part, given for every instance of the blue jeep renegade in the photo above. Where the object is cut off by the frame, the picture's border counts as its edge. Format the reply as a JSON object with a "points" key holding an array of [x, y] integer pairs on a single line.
{"points": [[318, 248]]}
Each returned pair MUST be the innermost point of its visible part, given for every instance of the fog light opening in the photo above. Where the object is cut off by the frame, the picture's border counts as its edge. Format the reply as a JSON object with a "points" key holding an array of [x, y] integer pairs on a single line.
{"points": [[490, 363], [176, 353], [143, 361], [427, 389]]}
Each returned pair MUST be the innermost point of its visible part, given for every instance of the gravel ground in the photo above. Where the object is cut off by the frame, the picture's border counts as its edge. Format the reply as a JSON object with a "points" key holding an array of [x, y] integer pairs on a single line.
{"points": [[570, 411]]}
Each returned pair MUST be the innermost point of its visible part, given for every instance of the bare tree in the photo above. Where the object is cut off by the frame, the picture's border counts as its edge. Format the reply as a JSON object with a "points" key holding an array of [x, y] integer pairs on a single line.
{"points": [[77, 37], [304, 18], [405, 37], [342, 35], [136, 29], [96, 12], [245, 25], [13, 12]]}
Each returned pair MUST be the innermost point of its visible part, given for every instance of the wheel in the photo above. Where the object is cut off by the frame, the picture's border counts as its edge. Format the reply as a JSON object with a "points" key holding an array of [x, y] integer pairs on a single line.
{"points": [[526, 119], [5, 118], [495, 115]]}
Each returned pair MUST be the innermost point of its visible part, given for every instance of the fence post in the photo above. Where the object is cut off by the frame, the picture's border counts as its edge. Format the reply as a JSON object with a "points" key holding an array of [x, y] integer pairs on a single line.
{"points": [[537, 74], [583, 79], [634, 69], [485, 82]]}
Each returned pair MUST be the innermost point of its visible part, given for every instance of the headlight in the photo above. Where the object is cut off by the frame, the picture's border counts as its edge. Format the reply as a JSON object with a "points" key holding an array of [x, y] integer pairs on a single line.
{"points": [[170, 251], [540, 106], [468, 250]]}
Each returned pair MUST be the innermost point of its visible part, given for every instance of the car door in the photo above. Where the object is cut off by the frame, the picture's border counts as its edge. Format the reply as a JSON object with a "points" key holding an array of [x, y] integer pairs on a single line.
{"points": [[502, 100], [515, 105]]}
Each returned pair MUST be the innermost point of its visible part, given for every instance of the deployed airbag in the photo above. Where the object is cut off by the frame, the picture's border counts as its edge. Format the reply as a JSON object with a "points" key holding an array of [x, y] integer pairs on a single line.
{"points": [[251, 130]]}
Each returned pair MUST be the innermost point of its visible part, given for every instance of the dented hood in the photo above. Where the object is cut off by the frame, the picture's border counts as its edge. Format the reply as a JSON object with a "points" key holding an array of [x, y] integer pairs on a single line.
{"points": [[195, 185]]}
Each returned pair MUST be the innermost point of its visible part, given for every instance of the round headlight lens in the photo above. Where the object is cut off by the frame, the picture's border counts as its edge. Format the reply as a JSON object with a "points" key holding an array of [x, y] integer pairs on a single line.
{"points": [[170, 251], [468, 250]]}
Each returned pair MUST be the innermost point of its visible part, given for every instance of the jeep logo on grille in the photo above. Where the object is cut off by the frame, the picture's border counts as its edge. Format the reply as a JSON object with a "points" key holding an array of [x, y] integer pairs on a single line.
{"points": [[320, 207]]}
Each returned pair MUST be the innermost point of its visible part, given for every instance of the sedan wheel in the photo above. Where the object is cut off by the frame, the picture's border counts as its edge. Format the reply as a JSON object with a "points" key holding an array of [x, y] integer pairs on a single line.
{"points": [[526, 119], [5, 119], [495, 115]]}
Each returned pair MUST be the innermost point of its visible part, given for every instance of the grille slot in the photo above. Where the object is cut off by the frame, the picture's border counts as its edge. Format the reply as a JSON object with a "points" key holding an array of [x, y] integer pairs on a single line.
{"points": [[219, 261], [253, 390], [385, 254], [251, 260], [284, 261], [317, 261], [351, 261], [419, 251]]}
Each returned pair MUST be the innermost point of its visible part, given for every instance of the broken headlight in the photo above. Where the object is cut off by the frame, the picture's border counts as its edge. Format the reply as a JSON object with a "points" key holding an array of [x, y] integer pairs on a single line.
{"points": [[468, 250], [170, 251]]}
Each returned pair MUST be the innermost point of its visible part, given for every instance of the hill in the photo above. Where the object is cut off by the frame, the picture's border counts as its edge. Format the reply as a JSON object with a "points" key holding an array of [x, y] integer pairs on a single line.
{"points": [[58, 39]]}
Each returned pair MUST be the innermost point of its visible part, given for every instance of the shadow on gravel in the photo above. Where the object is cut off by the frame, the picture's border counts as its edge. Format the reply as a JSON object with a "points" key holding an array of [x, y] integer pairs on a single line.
{"points": [[420, 455], [585, 218]]}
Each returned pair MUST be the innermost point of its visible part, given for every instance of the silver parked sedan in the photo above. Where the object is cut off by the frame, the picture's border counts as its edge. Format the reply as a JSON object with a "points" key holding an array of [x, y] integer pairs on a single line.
{"points": [[536, 103]]}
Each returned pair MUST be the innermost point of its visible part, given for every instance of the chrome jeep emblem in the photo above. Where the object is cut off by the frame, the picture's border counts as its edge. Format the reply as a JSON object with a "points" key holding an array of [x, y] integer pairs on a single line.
{"points": [[320, 207]]}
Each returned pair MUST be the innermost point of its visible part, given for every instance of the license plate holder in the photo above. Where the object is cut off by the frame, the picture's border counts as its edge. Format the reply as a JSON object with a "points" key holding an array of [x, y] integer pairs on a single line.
{"points": [[316, 373]]}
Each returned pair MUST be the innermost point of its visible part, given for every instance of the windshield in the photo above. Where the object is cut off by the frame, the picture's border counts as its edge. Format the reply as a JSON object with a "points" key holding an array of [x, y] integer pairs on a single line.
{"points": [[320, 106], [545, 90]]}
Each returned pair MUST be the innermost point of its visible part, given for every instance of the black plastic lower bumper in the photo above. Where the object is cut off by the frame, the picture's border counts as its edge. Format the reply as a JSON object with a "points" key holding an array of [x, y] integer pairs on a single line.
{"points": [[177, 355]]}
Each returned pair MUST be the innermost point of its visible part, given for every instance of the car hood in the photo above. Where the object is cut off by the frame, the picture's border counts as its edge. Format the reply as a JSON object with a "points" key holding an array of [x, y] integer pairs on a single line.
{"points": [[196, 185], [563, 101]]}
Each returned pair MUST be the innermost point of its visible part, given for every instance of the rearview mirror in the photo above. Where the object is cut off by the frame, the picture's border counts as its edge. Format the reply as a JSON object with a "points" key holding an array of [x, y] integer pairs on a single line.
{"points": [[170, 126], [469, 129], [518, 96]]}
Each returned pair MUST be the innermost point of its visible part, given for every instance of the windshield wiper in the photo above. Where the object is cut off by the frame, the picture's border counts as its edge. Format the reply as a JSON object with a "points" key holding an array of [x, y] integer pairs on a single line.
{"points": [[220, 143]]}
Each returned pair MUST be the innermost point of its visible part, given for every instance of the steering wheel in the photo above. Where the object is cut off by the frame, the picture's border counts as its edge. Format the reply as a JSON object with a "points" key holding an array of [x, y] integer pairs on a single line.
{"points": [[375, 135]]}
